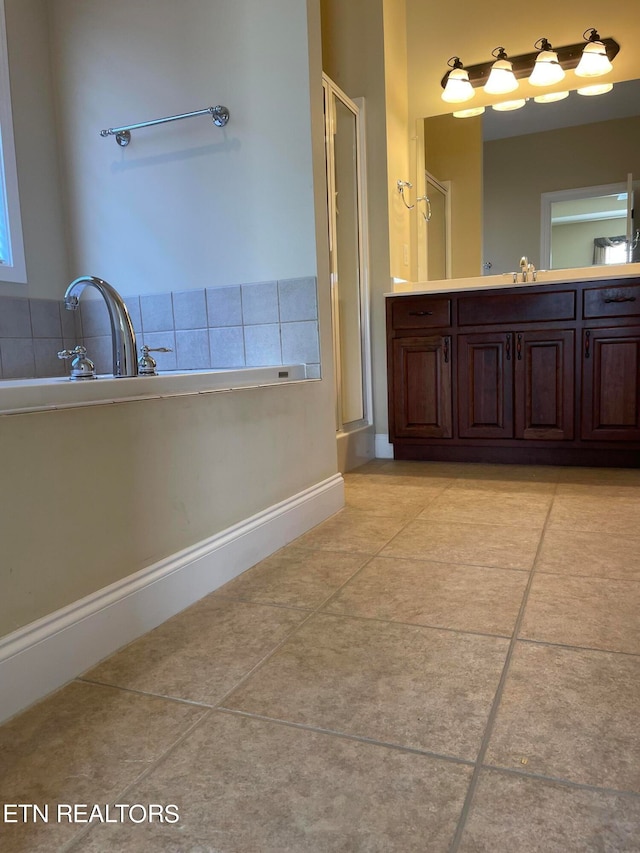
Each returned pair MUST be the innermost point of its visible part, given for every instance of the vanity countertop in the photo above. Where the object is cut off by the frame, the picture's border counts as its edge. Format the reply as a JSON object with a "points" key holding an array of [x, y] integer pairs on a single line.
{"points": [[487, 282]]}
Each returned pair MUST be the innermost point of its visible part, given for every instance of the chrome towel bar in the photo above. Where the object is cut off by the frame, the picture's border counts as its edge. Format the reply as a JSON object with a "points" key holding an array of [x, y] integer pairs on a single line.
{"points": [[219, 116]]}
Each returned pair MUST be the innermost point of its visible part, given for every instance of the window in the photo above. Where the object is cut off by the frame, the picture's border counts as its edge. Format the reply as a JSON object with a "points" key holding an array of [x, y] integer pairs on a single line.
{"points": [[12, 262], [610, 250]]}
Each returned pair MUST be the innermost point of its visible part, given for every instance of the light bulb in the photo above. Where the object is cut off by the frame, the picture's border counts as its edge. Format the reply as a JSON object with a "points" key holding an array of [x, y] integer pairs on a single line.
{"points": [[474, 111], [600, 89], [550, 97], [594, 61], [507, 106], [458, 88], [501, 78], [547, 70]]}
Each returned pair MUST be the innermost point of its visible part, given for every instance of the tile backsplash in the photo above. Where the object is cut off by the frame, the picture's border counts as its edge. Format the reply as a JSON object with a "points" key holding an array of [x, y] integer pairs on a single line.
{"points": [[264, 323], [32, 332]]}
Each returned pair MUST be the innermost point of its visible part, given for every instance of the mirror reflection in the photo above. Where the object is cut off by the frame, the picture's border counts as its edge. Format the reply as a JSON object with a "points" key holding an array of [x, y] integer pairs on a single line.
{"points": [[553, 182]]}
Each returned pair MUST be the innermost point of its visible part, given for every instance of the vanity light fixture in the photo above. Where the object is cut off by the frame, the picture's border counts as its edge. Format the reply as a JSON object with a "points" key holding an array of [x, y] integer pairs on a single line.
{"points": [[507, 106], [501, 77], [599, 89], [474, 111], [458, 89], [550, 97], [546, 70], [594, 61]]}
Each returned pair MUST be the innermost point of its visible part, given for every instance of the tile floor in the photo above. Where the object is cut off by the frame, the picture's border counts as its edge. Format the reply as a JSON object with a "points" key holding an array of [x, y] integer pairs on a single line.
{"points": [[451, 663]]}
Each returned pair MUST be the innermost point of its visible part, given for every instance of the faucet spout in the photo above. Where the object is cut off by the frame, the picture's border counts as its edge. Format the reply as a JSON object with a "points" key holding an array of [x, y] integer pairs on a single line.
{"points": [[123, 338]]}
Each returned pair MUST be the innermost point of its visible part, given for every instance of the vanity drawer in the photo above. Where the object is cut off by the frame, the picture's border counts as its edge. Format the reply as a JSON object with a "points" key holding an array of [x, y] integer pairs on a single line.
{"points": [[423, 313], [613, 301], [517, 308]]}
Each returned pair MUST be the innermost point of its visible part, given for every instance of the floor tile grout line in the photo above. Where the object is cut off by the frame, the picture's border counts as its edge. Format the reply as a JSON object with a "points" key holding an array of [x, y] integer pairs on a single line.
{"points": [[141, 776], [403, 624], [615, 578], [192, 703], [559, 780], [402, 559], [493, 712], [574, 648], [308, 727]]}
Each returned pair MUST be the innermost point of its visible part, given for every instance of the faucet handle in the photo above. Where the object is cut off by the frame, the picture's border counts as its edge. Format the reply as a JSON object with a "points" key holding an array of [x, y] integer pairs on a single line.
{"points": [[147, 364], [81, 367]]}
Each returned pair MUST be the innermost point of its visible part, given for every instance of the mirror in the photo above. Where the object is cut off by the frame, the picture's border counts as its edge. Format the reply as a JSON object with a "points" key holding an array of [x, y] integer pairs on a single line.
{"points": [[501, 164]]}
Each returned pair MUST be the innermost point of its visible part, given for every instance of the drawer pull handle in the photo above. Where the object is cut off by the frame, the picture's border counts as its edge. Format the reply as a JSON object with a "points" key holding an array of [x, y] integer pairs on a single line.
{"points": [[620, 299], [587, 344], [446, 350], [420, 313], [508, 347], [519, 348]]}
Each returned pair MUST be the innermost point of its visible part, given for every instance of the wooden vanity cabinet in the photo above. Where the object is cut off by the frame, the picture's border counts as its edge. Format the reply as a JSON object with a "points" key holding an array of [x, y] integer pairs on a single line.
{"points": [[611, 384], [547, 374], [516, 385], [422, 379]]}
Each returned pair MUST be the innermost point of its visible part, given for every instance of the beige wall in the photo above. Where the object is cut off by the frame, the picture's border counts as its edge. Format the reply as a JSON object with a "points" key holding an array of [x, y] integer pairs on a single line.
{"points": [[187, 203], [555, 160], [453, 152], [399, 145], [37, 152], [93, 494]]}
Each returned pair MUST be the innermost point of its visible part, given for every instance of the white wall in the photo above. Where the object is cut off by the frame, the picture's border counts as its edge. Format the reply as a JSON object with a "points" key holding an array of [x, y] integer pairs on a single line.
{"points": [[187, 204], [89, 496]]}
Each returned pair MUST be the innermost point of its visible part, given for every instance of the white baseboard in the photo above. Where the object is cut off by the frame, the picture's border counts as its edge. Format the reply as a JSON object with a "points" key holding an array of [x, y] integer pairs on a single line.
{"points": [[42, 656], [384, 450]]}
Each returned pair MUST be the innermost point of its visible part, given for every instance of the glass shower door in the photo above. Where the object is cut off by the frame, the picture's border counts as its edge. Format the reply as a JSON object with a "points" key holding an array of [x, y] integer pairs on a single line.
{"points": [[346, 250]]}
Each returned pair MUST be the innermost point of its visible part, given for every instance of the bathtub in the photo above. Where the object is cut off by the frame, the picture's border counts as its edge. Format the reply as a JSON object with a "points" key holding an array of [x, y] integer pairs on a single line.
{"points": [[18, 396]]}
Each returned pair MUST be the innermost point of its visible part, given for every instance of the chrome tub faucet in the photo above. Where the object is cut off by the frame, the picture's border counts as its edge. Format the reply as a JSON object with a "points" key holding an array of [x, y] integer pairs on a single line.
{"points": [[123, 338]]}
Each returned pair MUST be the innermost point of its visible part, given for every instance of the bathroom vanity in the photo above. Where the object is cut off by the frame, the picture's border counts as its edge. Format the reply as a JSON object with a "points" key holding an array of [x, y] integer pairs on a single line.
{"points": [[545, 373]]}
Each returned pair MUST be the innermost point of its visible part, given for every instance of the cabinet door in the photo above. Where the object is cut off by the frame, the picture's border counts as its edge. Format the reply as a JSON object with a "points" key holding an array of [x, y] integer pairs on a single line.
{"points": [[485, 385], [421, 388], [610, 385], [544, 384]]}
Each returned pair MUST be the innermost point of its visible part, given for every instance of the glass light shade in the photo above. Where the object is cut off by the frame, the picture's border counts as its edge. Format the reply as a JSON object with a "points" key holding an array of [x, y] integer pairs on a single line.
{"points": [[594, 61], [550, 97], [458, 88], [600, 89], [501, 79], [474, 111], [547, 70], [506, 106]]}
